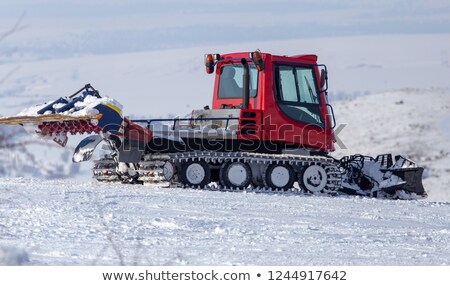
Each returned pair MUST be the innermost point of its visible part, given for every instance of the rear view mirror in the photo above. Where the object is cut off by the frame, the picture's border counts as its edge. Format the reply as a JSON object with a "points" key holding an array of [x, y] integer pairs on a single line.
{"points": [[323, 78]]}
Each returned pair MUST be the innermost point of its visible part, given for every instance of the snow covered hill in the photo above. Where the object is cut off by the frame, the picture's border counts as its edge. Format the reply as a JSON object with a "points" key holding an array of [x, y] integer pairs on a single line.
{"points": [[88, 223]]}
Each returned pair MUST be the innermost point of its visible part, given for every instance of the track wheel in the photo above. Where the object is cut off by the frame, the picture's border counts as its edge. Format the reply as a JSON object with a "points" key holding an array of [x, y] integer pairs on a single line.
{"points": [[195, 174], [168, 171], [313, 179], [235, 175], [279, 176]]}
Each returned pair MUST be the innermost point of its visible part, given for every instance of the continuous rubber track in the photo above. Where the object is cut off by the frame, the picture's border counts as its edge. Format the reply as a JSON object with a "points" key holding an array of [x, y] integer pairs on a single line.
{"points": [[151, 169], [104, 170]]}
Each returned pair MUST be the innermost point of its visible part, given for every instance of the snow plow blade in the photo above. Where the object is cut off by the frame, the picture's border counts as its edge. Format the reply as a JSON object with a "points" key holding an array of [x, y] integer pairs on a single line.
{"points": [[412, 182], [381, 177]]}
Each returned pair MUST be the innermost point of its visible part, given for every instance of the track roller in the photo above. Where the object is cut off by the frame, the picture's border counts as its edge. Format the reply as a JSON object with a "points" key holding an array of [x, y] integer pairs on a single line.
{"points": [[195, 174], [235, 175], [313, 179], [279, 176]]}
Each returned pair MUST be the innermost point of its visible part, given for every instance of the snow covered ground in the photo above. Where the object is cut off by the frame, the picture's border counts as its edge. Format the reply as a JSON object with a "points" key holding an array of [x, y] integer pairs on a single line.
{"points": [[88, 223]]}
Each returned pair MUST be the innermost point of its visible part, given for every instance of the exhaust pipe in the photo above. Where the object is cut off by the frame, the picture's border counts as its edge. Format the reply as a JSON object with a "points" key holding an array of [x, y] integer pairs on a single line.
{"points": [[246, 84]]}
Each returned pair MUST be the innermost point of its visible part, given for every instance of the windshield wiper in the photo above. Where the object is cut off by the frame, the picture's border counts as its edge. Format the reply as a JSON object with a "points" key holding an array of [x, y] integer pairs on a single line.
{"points": [[311, 93]]}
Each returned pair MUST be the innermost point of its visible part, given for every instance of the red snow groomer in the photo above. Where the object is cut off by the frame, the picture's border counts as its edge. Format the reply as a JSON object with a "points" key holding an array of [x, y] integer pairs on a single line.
{"points": [[269, 128]]}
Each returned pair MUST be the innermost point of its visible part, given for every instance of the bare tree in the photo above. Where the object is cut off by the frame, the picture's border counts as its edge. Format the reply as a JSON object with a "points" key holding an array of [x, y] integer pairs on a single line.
{"points": [[18, 26], [16, 154], [9, 135]]}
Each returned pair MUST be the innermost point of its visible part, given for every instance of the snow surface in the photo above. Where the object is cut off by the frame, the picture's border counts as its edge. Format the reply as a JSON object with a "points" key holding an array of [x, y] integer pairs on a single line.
{"points": [[11, 256], [87, 223]]}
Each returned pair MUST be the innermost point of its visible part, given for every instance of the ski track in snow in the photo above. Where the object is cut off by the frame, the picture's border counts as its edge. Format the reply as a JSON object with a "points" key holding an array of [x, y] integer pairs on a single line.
{"points": [[77, 223]]}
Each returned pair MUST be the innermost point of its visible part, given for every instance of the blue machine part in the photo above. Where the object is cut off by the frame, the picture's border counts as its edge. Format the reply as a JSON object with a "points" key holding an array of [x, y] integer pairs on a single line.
{"points": [[70, 104], [111, 119], [50, 106]]}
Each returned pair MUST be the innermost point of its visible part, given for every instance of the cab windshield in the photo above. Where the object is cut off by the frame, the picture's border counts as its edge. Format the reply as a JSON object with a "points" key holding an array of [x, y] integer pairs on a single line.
{"points": [[231, 82]]}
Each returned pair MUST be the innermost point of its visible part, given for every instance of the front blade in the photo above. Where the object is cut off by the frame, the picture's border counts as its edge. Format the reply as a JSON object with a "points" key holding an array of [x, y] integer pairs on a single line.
{"points": [[398, 179], [413, 181], [86, 148]]}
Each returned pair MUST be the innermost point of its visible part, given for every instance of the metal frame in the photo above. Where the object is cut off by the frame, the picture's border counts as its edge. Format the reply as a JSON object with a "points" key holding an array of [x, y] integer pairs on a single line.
{"points": [[175, 120]]}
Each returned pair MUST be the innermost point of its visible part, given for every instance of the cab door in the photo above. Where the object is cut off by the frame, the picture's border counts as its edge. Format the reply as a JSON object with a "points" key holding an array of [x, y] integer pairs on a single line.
{"points": [[299, 113]]}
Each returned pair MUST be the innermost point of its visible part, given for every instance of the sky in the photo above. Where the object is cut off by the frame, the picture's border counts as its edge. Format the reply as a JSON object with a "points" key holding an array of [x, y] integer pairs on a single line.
{"points": [[77, 27]]}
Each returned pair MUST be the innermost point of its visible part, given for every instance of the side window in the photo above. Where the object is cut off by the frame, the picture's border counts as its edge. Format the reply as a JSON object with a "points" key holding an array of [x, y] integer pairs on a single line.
{"points": [[231, 84], [288, 91], [297, 94]]}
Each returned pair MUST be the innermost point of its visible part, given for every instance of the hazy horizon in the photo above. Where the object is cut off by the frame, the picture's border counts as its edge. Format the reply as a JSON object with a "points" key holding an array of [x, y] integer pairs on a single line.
{"points": [[57, 29]]}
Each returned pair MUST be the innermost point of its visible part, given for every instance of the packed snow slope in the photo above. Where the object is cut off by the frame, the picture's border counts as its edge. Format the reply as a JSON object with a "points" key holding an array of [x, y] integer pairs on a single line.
{"points": [[90, 223]]}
